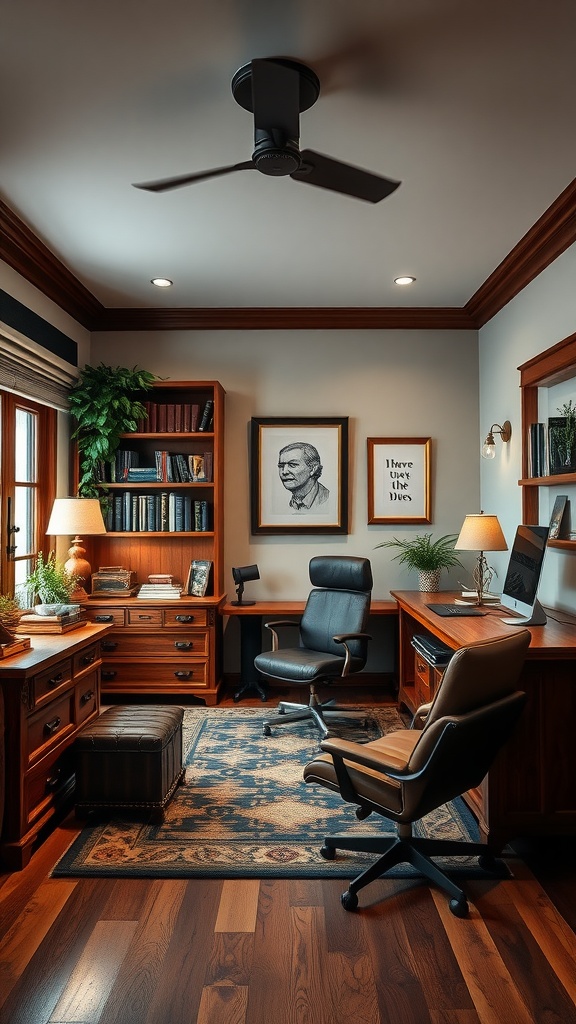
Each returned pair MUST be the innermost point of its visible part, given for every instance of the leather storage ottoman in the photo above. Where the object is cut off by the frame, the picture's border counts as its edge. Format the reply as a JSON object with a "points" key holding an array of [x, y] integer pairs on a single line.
{"points": [[129, 758]]}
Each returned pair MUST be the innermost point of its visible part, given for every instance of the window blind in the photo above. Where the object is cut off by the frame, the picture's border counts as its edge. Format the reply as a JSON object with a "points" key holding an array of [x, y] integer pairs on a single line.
{"points": [[28, 369]]}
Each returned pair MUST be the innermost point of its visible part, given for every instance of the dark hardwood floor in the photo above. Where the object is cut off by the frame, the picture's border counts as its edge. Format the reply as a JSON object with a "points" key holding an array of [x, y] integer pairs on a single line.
{"points": [[245, 951]]}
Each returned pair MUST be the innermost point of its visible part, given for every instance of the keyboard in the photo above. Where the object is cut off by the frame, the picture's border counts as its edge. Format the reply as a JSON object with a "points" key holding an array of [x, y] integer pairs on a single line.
{"points": [[456, 610]]}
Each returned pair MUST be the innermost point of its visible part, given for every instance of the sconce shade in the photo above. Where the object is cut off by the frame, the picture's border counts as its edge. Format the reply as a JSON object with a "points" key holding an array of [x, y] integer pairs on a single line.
{"points": [[76, 515], [481, 533], [489, 446]]}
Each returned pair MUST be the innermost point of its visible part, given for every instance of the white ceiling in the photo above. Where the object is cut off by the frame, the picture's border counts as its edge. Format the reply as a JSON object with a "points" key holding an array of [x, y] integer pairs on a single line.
{"points": [[469, 104]]}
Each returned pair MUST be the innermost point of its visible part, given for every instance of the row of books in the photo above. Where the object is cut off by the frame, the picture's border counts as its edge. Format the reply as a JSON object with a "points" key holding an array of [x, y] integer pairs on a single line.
{"points": [[166, 512], [32, 623], [168, 467], [551, 447], [176, 417]]}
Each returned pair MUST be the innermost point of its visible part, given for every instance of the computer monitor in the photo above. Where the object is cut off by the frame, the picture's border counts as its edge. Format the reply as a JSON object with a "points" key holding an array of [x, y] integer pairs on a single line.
{"points": [[523, 576]]}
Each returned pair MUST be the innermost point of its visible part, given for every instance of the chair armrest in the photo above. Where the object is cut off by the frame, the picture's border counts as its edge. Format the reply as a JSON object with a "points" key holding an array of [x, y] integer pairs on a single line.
{"points": [[421, 713], [358, 754], [274, 625], [343, 638]]}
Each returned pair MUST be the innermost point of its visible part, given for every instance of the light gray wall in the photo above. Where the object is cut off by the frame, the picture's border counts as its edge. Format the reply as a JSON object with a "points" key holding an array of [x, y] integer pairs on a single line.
{"points": [[540, 316]]}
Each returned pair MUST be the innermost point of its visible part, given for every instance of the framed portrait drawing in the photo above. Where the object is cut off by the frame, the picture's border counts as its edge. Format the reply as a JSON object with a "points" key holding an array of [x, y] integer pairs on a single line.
{"points": [[399, 479], [299, 474]]}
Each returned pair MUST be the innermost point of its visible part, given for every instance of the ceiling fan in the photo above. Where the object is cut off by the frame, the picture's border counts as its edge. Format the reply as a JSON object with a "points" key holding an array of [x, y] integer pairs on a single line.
{"points": [[276, 90]]}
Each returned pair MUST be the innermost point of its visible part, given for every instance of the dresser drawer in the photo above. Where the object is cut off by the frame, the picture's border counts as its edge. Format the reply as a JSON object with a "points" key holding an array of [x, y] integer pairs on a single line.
{"points": [[153, 677], [84, 659], [144, 617], [47, 728], [48, 682], [86, 698], [105, 616], [174, 619], [158, 645], [423, 678], [45, 786]]}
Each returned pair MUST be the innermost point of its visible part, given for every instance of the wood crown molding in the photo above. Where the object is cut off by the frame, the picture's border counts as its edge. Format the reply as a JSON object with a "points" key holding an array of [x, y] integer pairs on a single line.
{"points": [[551, 235]]}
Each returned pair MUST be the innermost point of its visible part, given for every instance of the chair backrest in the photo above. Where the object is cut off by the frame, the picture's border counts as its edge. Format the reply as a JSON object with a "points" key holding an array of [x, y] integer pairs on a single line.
{"points": [[474, 711], [340, 603]]}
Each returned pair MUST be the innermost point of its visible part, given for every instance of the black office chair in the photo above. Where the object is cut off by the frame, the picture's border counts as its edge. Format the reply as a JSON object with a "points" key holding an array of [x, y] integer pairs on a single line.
{"points": [[332, 640], [410, 772]]}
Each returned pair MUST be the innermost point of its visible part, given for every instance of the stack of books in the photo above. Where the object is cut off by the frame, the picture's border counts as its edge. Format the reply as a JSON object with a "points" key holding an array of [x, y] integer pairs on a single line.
{"points": [[159, 591], [31, 623], [432, 650]]}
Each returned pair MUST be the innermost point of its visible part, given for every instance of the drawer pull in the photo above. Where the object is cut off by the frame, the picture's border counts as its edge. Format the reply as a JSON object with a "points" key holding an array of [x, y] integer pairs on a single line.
{"points": [[86, 697], [184, 618], [88, 658], [109, 645], [183, 645], [103, 618], [147, 617], [53, 726], [55, 680], [53, 780], [109, 674], [182, 675]]}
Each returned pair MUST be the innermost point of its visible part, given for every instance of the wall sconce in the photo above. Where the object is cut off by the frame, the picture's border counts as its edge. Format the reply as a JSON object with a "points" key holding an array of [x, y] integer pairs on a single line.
{"points": [[481, 533], [489, 446], [243, 575], [77, 516]]}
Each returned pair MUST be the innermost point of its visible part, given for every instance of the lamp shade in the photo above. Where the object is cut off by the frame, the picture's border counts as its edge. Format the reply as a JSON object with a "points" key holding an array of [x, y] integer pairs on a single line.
{"points": [[481, 533], [76, 515]]}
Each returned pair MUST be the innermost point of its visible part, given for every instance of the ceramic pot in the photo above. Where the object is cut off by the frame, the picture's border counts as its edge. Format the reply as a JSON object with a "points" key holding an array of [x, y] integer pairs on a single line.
{"points": [[429, 580]]}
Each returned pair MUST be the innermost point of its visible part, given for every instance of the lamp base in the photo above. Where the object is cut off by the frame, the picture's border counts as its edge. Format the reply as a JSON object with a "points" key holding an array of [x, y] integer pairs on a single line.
{"points": [[77, 565]]}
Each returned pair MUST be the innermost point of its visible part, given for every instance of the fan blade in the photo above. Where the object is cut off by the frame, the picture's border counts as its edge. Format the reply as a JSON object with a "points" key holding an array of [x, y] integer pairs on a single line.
{"points": [[187, 179], [325, 172], [276, 98]]}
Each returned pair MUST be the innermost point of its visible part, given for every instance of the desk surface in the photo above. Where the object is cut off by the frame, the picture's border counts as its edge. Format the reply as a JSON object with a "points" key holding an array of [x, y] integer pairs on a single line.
{"points": [[295, 608], [557, 639]]}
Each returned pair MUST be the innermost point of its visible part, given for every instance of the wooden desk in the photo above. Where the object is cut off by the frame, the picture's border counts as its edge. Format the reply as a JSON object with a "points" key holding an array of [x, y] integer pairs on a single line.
{"points": [[251, 619], [531, 787]]}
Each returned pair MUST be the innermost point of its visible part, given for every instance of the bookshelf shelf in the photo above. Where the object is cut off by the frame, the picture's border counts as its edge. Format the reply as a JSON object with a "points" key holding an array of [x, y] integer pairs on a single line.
{"points": [[557, 480]]}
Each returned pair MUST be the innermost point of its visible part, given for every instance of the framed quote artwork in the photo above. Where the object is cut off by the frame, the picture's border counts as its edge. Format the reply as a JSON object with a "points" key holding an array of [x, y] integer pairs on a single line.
{"points": [[299, 474], [399, 479]]}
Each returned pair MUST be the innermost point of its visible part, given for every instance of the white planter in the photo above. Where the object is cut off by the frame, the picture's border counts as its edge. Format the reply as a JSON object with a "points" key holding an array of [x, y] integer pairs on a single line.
{"points": [[429, 580]]}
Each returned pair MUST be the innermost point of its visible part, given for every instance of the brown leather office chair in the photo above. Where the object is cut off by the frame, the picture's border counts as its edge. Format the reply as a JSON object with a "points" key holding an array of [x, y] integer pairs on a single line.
{"points": [[332, 642], [410, 772]]}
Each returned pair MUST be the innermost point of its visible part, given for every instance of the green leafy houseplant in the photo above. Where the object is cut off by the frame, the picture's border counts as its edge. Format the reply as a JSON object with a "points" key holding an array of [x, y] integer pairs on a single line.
{"points": [[105, 402], [424, 554], [563, 440], [51, 581]]}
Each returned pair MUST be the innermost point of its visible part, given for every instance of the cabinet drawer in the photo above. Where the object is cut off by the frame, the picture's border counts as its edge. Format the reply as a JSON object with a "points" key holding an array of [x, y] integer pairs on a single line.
{"points": [[144, 617], [48, 726], [45, 786], [159, 645], [105, 616], [422, 680], [154, 676], [86, 698], [46, 683], [84, 659], [186, 617]]}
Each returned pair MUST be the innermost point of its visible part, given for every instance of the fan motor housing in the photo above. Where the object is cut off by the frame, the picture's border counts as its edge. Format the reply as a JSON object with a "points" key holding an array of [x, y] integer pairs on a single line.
{"points": [[275, 156]]}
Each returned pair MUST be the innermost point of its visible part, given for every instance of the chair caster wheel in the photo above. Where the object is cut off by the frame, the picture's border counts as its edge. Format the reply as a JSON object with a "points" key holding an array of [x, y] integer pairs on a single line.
{"points": [[236, 698], [266, 730], [349, 900], [362, 812], [487, 862], [328, 852], [459, 907]]}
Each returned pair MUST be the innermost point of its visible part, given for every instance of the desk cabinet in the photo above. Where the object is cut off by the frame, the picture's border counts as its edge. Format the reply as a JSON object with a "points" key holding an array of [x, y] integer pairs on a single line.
{"points": [[162, 648], [530, 789], [49, 693]]}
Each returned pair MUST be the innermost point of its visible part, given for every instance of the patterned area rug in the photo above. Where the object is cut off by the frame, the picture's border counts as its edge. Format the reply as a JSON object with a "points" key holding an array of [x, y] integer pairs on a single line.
{"points": [[245, 811]]}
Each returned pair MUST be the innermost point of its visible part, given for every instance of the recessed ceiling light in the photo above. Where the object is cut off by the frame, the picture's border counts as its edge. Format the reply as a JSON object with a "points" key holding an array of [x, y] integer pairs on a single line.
{"points": [[162, 282], [404, 280]]}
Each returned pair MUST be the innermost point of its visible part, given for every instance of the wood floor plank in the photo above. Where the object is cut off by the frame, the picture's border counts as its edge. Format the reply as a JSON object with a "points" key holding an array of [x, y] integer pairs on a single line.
{"points": [[29, 930], [489, 982], [177, 995], [238, 905], [270, 989], [308, 976], [142, 967], [554, 937], [223, 1004], [231, 958], [434, 961], [92, 979]]}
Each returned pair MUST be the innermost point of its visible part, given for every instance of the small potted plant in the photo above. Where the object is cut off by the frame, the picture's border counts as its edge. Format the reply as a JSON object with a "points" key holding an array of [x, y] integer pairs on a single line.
{"points": [[51, 582], [427, 556]]}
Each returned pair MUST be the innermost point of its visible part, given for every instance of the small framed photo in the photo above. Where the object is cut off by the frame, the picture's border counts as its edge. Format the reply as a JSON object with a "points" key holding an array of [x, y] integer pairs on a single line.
{"points": [[198, 577], [399, 479], [557, 516], [299, 474]]}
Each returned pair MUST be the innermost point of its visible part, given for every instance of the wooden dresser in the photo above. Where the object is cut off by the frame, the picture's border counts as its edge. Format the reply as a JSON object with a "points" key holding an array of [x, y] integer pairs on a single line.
{"points": [[49, 692]]}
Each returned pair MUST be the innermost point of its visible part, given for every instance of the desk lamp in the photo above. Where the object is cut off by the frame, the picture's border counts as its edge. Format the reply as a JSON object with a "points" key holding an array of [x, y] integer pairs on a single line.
{"points": [[240, 577], [77, 516], [481, 533]]}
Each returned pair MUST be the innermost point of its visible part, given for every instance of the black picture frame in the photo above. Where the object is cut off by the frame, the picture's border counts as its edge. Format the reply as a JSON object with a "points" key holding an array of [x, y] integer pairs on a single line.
{"points": [[299, 474], [557, 516]]}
